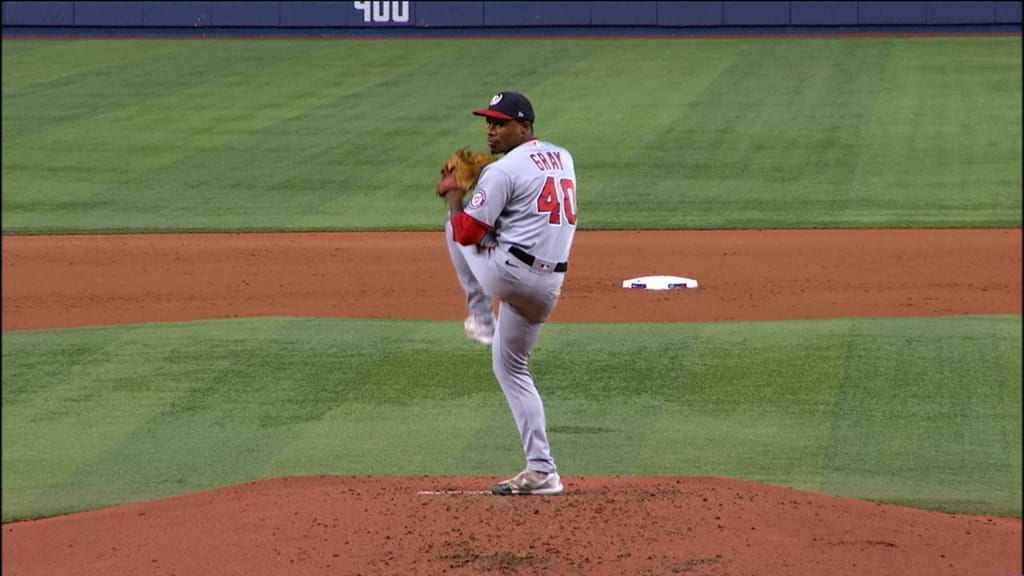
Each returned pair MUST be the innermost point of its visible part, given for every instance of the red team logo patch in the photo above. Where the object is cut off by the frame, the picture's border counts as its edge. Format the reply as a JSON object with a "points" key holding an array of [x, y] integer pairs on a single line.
{"points": [[478, 199]]}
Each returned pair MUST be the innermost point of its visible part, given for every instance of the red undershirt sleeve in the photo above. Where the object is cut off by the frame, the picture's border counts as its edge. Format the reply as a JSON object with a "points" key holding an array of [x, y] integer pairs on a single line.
{"points": [[467, 230]]}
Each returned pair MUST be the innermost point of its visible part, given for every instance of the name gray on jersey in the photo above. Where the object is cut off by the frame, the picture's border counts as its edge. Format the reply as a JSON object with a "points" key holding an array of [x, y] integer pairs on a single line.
{"points": [[528, 197]]}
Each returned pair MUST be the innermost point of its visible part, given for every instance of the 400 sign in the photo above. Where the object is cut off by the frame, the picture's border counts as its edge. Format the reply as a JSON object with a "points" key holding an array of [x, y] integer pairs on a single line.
{"points": [[383, 12]]}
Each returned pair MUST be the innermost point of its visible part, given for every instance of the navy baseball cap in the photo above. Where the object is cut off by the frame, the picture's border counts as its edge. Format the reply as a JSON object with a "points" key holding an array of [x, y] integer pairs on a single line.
{"points": [[508, 106]]}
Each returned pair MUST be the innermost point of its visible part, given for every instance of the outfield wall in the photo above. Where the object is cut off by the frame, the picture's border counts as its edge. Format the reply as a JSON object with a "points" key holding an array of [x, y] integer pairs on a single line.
{"points": [[372, 14]]}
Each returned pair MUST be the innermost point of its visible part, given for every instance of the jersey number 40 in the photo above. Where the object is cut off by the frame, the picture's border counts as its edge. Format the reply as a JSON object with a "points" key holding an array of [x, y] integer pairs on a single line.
{"points": [[554, 200]]}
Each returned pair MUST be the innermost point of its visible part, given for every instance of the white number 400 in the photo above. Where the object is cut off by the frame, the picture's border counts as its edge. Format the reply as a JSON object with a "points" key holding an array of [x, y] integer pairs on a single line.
{"points": [[383, 11]]}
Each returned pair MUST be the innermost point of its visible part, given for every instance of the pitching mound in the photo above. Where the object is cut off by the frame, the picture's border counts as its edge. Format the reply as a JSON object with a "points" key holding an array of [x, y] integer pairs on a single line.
{"points": [[612, 526]]}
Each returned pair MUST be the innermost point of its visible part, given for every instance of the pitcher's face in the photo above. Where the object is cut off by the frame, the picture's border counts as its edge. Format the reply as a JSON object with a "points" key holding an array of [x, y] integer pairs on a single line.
{"points": [[504, 135]]}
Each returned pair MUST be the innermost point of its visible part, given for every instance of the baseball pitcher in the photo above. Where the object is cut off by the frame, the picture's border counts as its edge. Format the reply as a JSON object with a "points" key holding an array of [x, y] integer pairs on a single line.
{"points": [[511, 242]]}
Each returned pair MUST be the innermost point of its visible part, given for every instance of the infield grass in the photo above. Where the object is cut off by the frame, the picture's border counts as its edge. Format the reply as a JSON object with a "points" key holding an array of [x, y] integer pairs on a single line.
{"points": [[189, 135], [923, 412]]}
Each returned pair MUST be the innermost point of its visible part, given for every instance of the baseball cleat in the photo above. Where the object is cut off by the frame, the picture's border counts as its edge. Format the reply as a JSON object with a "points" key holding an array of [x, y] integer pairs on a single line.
{"points": [[530, 483], [482, 333]]}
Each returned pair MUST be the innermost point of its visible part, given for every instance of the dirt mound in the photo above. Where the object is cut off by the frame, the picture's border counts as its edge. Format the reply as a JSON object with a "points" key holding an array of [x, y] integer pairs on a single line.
{"points": [[600, 526]]}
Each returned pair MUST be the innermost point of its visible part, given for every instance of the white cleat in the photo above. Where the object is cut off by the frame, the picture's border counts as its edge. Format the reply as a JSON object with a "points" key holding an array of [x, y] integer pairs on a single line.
{"points": [[479, 331], [530, 483]]}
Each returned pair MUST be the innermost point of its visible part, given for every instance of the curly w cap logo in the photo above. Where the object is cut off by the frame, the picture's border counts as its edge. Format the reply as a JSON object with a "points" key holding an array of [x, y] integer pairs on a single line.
{"points": [[496, 99]]}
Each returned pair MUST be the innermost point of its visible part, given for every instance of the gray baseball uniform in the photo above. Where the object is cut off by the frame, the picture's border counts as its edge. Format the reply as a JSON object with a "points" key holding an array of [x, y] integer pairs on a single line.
{"points": [[528, 198]]}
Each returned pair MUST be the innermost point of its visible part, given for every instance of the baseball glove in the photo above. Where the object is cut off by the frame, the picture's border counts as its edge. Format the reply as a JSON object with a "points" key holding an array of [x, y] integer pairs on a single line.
{"points": [[462, 169]]}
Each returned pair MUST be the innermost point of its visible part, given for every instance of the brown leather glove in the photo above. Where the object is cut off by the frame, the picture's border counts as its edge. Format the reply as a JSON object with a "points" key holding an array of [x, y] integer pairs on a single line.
{"points": [[461, 170]]}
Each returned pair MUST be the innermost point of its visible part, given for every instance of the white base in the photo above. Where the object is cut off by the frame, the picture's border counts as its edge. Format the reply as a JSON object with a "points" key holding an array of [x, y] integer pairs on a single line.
{"points": [[659, 283]]}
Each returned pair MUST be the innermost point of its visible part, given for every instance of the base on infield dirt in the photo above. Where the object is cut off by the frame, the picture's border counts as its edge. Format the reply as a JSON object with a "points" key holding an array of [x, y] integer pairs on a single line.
{"points": [[659, 282]]}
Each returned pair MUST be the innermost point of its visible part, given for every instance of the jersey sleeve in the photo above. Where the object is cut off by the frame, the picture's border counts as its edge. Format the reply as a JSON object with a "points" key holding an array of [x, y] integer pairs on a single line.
{"points": [[490, 196], [467, 231]]}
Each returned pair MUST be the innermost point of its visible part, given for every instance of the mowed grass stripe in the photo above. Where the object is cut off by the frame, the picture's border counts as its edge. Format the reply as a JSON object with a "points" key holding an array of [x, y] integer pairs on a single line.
{"points": [[1007, 356], [98, 399], [385, 169], [241, 417], [620, 102], [414, 409], [923, 423], [48, 84], [31, 65], [328, 149], [776, 136], [95, 163], [182, 407], [702, 133], [290, 376], [604, 401], [944, 144], [568, 83], [437, 437], [382, 181], [754, 400]]}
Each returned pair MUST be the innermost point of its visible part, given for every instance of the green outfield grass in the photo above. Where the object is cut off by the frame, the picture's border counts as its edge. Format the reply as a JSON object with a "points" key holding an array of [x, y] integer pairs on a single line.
{"points": [[185, 135], [924, 412]]}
